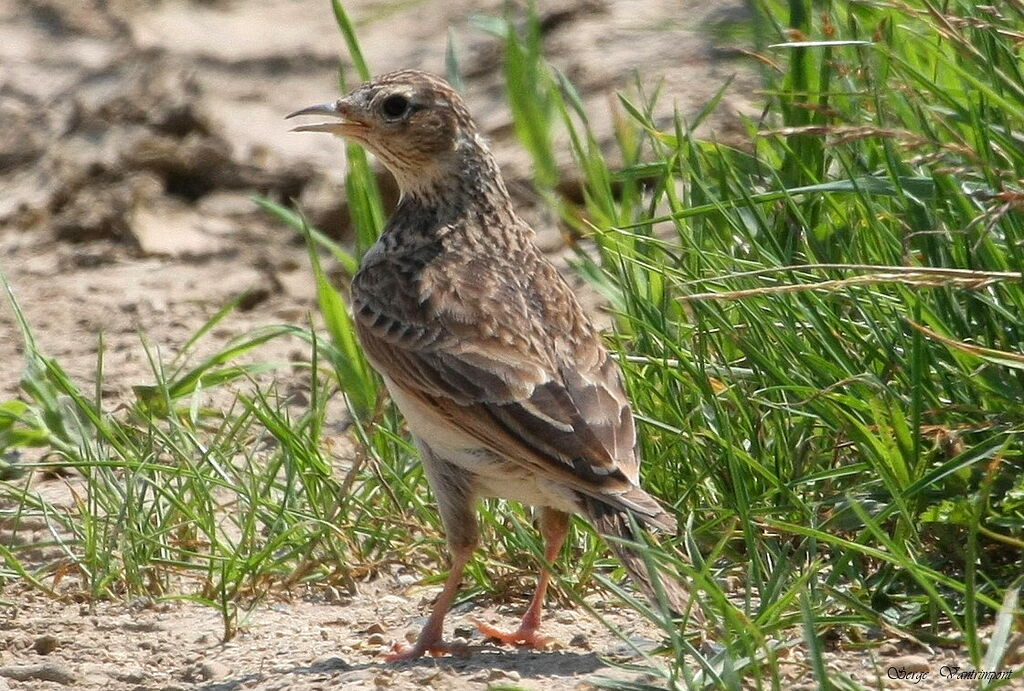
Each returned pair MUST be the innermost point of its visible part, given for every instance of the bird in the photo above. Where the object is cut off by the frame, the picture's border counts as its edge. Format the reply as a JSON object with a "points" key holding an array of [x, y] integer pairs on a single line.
{"points": [[502, 378]]}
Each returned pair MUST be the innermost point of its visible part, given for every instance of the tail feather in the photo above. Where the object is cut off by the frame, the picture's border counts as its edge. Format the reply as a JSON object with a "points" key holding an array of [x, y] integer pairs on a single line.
{"points": [[643, 506], [610, 521]]}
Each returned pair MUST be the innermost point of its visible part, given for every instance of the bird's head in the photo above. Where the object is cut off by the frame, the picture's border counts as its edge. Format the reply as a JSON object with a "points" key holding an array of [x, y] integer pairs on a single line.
{"points": [[414, 122]]}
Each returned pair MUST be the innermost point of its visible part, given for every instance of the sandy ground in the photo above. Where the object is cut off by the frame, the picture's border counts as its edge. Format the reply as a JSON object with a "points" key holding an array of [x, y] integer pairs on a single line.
{"points": [[133, 136], [304, 643]]}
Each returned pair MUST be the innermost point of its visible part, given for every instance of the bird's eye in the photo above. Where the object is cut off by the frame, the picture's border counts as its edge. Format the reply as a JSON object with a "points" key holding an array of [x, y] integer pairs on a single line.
{"points": [[394, 107]]}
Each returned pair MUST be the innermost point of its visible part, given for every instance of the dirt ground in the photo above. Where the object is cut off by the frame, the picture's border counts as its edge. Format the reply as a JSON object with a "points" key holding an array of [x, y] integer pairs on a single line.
{"points": [[132, 136], [306, 644]]}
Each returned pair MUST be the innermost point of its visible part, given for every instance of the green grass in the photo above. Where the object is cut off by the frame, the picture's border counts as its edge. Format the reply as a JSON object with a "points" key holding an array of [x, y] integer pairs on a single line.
{"points": [[822, 331]]}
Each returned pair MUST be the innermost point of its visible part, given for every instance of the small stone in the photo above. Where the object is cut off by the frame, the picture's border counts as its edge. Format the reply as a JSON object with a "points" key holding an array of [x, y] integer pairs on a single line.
{"points": [[130, 677], [375, 627], [463, 632], [137, 604], [44, 645], [376, 639], [580, 640], [911, 663], [330, 662], [887, 649], [207, 671]]}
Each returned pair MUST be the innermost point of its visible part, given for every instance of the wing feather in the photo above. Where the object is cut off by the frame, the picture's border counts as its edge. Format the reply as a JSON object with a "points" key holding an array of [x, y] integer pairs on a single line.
{"points": [[520, 371]]}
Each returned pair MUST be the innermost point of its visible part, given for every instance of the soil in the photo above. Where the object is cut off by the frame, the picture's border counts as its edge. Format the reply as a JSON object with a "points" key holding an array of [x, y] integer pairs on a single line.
{"points": [[134, 134]]}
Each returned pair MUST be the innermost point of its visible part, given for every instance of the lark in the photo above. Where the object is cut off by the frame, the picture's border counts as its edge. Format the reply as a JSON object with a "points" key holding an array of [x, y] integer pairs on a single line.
{"points": [[502, 379]]}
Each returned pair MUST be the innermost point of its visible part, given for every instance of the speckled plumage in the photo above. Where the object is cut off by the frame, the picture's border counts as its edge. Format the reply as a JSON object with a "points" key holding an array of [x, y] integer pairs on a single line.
{"points": [[502, 378]]}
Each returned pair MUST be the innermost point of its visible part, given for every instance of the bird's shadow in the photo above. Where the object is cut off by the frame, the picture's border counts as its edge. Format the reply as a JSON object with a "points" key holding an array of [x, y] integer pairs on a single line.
{"points": [[528, 663]]}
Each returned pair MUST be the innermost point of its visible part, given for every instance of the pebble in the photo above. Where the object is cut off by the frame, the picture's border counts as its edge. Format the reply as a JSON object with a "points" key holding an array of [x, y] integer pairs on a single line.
{"points": [[580, 640], [330, 662], [464, 632], [911, 663], [887, 649], [208, 671], [130, 676], [376, 639], [44, 645]]}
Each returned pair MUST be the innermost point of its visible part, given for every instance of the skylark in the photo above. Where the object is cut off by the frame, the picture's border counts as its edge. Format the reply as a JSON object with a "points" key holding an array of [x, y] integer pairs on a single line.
{"points": [[502, 378]]}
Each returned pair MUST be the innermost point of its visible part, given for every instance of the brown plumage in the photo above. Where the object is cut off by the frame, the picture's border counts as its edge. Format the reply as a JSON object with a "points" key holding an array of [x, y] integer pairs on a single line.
{"points": [[503, 380]]}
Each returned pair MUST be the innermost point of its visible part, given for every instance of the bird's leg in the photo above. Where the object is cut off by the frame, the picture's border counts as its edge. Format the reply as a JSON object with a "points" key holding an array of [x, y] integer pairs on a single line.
{"points": [[453, 488], [554, 526], [431, 638]]}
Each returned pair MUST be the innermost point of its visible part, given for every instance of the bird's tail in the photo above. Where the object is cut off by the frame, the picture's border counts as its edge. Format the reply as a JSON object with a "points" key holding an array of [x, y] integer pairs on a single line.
{"points": [[615, 523]]}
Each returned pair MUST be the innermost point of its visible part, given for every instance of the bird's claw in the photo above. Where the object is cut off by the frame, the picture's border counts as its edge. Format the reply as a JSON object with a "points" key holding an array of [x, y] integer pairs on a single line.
{"points": [[437, 648], [524, 637]]}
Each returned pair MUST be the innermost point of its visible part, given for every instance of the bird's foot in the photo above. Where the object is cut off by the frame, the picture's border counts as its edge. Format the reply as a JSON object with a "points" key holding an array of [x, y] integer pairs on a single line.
{"points": [[525, 636], [435, 648]]}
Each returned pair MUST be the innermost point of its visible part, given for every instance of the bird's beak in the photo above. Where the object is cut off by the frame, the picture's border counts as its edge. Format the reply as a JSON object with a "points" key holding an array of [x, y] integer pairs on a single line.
{"points": [[348, 127]]}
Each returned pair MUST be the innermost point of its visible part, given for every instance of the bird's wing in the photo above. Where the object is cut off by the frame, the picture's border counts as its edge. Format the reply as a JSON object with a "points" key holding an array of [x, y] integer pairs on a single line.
{"points": [[516, 368]]}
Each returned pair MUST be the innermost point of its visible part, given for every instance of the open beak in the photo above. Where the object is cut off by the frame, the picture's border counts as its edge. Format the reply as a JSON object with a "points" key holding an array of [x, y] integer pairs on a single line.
{"points": [[346, 128]]}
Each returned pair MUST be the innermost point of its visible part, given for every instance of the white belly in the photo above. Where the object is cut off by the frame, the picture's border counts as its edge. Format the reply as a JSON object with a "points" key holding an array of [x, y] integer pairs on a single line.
{"points": [[495, 474]]}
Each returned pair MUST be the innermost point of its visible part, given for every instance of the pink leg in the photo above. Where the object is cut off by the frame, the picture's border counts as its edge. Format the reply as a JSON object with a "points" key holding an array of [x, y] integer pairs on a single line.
{"points": [[431, 638], [554, 526]]}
